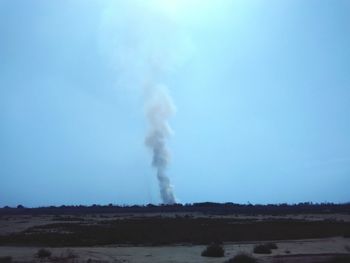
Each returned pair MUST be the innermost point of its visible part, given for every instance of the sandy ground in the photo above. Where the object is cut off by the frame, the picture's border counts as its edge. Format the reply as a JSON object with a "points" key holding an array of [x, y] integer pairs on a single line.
{"points": [[190, 254]]}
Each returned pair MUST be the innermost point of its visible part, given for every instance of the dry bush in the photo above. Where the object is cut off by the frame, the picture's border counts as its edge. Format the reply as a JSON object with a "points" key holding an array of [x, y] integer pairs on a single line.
{"points": [[213, 250], [271, 245], [262, 249]]}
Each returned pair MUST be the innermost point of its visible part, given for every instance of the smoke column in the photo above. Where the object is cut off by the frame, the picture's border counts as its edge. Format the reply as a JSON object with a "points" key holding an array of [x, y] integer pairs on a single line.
{"points": [[158, 110], [146, 44]]}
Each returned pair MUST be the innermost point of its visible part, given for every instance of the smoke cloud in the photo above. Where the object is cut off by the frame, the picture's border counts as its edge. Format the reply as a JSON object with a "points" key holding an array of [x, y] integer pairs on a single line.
{"points": [[158, 110], [145, 45]]}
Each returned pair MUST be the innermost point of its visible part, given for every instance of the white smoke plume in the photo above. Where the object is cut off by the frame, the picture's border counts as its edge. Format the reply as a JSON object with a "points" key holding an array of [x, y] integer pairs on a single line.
{"points": [[145, 45], [158, 110]]}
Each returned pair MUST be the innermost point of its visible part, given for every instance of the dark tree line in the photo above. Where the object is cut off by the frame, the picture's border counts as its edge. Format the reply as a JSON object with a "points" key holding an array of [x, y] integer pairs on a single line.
{"points": [[205, 207]]}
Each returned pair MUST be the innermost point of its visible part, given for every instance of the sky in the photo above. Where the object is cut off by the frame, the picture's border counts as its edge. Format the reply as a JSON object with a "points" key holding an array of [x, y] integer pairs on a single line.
{"points": [[261, 90]]}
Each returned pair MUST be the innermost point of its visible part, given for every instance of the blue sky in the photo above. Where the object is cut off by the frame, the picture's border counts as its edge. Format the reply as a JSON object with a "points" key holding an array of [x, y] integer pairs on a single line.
{"points": [[262, 91]]}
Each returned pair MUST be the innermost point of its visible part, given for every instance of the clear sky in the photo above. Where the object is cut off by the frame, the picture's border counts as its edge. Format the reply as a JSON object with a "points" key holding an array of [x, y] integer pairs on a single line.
{"points": [[262, 91]]}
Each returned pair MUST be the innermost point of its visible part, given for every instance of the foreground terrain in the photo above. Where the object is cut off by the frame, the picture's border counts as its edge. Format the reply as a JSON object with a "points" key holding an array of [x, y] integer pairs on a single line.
{"points": [[306, 234]]}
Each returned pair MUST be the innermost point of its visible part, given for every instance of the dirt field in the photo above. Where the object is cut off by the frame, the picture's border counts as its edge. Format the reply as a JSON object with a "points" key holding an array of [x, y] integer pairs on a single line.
{"points": [[172, 237]]}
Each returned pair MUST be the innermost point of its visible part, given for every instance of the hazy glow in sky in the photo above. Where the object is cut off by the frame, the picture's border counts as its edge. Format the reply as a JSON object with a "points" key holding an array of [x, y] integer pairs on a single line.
{"points": [[261, 90], [174, 7], [180, 8]]}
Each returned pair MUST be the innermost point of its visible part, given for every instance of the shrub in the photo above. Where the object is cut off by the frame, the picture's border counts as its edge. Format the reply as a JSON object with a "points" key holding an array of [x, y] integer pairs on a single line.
{"points": [[213, 250], [7, 259], [271, 245], [242, 258], [262, 249], [43, 253]]}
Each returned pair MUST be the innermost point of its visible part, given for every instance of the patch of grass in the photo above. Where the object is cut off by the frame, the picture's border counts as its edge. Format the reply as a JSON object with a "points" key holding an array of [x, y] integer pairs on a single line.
{"points": [[213, 250], [242, 258], [43, 253], [6, 259], [262, 249]]}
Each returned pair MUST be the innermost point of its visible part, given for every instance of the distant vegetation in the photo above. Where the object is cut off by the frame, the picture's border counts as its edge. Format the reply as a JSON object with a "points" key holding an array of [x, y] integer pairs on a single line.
{"points": [[206, 207]]}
